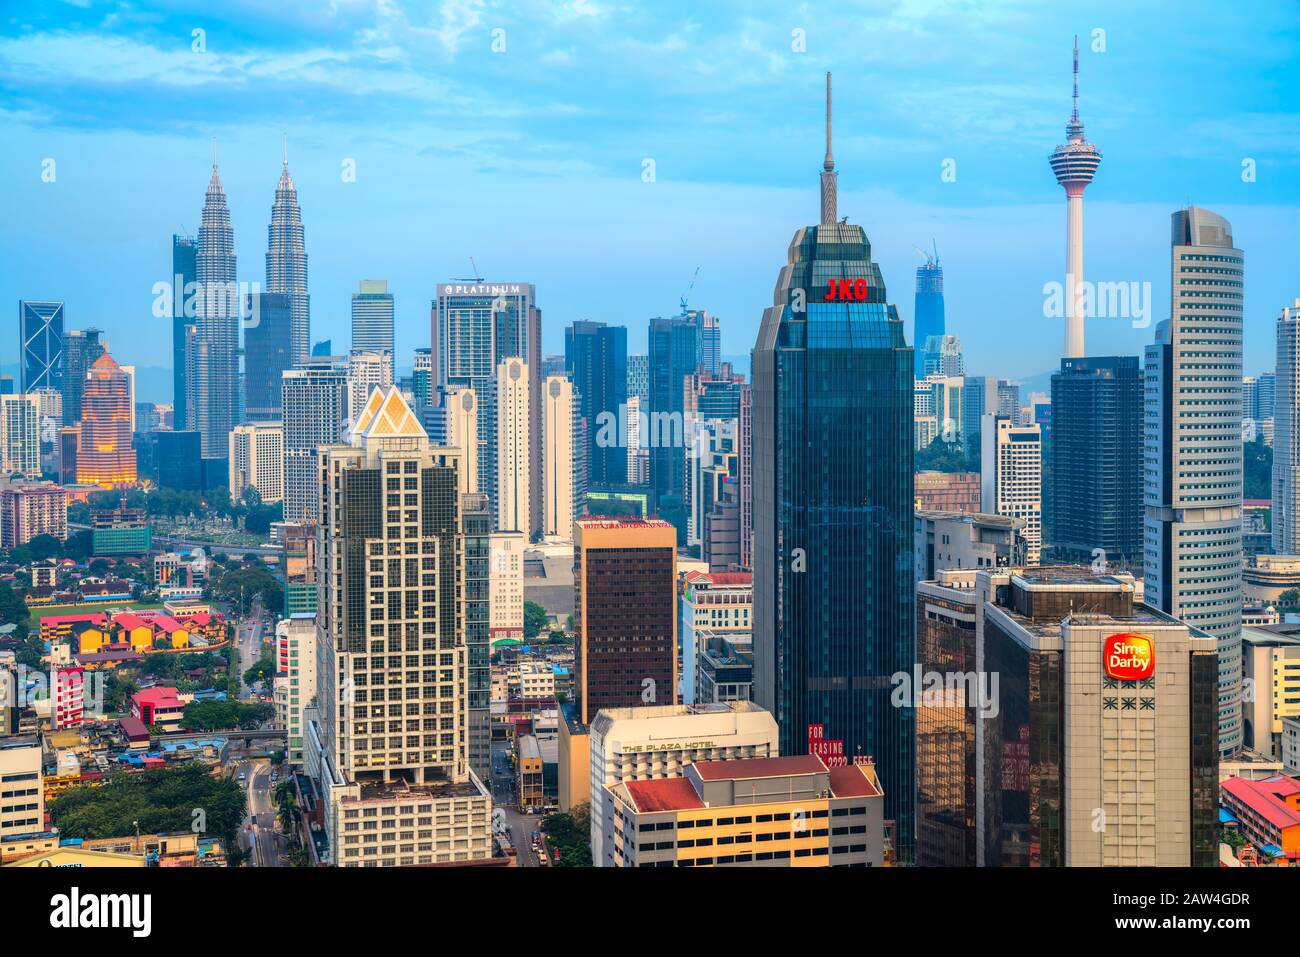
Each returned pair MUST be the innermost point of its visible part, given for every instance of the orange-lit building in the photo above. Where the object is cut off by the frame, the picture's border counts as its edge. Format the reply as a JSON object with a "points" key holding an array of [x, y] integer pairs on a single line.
{"points": [[777, 812], [105, 456], [1267, 812]]}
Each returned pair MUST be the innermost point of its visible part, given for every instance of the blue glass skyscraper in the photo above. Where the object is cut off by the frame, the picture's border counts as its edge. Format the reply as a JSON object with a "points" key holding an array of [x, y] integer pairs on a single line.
{"points": [[832, 440], [185, 250], [596, 355], [928, 308]]}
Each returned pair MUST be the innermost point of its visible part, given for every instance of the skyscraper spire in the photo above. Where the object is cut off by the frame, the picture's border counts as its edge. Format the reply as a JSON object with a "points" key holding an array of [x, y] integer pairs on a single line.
{"points": [[828, 167]]}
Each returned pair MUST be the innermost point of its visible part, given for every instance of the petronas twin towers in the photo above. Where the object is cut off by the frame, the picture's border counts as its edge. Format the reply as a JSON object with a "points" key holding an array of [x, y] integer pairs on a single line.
{"points": [[212, 381]]}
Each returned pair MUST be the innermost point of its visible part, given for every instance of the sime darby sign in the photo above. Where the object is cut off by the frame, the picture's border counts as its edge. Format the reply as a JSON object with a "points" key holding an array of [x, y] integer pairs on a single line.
{"points": [[1129, 656]]}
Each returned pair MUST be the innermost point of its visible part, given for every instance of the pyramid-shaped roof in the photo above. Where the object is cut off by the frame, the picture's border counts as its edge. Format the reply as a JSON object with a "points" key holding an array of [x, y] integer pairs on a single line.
{"points": [[386, 415]]}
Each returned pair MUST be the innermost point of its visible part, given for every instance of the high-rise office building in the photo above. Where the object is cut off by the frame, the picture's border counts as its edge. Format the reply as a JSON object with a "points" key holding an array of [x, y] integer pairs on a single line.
{"points": [[1095, 460], [81, 347], [185, 251], [106, 456], [625, 582], [514, 441], [372, 317], [1193, 464], [176, 457], [422, 384], [1097, 748], [928, 308], [367, 371], [638, 377], [20, 436], [596, 356], [298, 565], [388, 625], [563, 475], [477, 326], [709, 339], [315, 409], [1011, 481], [477, 587], [832, 440], [268, 352], [674, 350], [979, 398], [212, 356], [286, 262], [1286, 435], [40, 345], [1265, 395], [1074, 163], [257, 460], [942, 355]]}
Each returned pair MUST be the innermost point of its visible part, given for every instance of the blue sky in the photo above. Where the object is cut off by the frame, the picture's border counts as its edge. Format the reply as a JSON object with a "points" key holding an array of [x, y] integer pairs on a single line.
{"points": [[530, 159]]}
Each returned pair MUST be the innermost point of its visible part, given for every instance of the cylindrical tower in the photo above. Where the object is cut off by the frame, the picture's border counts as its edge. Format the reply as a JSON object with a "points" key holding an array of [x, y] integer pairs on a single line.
{"points": [[1075, 163]]}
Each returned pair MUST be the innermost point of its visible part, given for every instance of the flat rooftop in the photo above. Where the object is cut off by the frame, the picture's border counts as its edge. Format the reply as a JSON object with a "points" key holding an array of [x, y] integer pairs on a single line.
{"points": [[746, 769], [402, 790]]}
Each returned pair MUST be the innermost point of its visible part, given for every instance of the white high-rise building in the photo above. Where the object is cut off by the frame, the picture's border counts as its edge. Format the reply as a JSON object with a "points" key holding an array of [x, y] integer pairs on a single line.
{"points": [[514, 459], [1011, 481], [506, 585], [367, 371], [295, 679], [20, 436], [372, 317], [257, 459], [562, 474], [1286, 435], [462, 417], [638, 456], [314, 405], [1193, 470]]}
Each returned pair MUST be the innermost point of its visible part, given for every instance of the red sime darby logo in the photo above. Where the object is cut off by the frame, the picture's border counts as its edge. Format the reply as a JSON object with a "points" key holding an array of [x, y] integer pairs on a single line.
{"points": [[1129, 657]]}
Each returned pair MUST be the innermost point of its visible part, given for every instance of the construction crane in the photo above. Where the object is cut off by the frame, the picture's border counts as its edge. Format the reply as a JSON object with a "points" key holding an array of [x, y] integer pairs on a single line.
{"points": [[930, 260], [689, 288], [476, 277]]}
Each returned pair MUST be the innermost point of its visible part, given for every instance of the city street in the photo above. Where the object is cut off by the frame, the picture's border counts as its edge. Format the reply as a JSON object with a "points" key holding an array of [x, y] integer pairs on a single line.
{"points": [[250, 647], [259, 835], [521, 826]]}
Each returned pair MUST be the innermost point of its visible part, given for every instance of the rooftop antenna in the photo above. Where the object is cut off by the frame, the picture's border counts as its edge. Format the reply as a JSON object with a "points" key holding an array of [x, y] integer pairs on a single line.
{"points": [[828, 196], [689, 289]]}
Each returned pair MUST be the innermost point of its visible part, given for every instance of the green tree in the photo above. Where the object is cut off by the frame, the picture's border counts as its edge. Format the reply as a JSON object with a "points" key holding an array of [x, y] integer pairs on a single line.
{"points": [[571, 835], [535, 619], [13, 610], [160, 801], [941, 456], [1257, 468]]}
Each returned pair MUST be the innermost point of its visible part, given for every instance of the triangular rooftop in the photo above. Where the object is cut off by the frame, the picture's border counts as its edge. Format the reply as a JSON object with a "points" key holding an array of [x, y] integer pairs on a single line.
{"points": [[386, 415]]}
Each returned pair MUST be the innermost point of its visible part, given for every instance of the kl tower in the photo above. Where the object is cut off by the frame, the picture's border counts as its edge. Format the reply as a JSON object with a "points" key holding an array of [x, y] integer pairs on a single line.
{"points": [[1075, 163]]}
